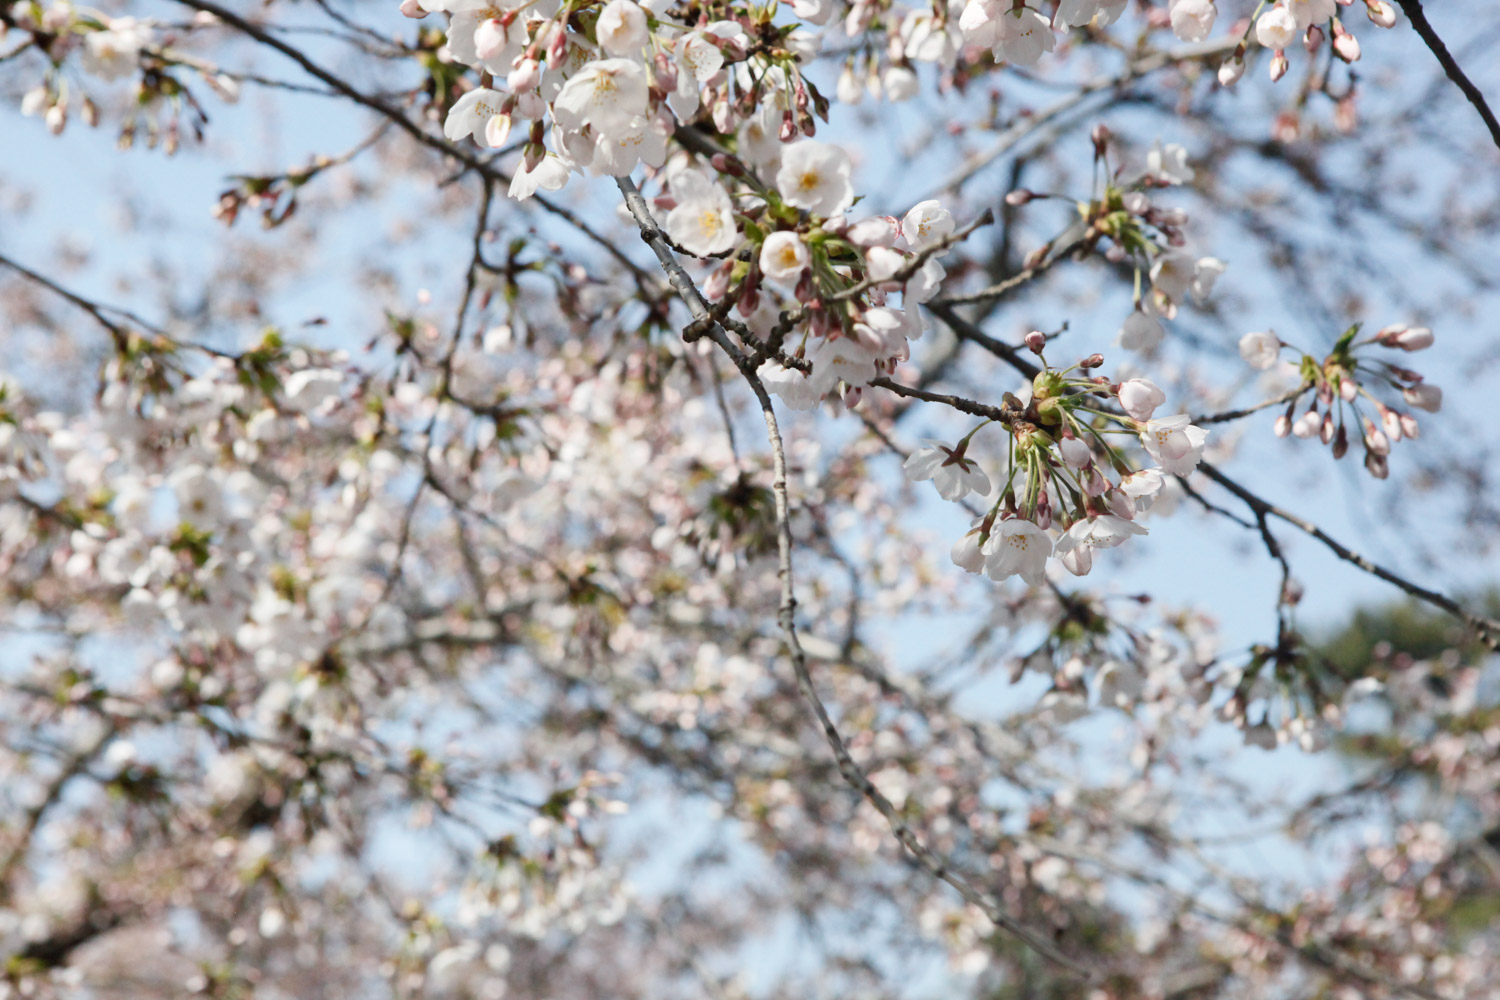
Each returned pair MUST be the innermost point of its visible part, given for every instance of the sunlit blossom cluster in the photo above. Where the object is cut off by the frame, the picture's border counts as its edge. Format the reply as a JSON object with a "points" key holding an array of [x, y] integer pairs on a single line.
{"points": [[1344, 387], [1070, 485]]}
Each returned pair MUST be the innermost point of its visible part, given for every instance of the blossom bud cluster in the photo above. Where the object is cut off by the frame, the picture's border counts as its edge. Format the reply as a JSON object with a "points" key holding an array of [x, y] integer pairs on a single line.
{"points": [[1123, 215], [1278, 27], [1069, 488], [1342, 390], [840, 280]]}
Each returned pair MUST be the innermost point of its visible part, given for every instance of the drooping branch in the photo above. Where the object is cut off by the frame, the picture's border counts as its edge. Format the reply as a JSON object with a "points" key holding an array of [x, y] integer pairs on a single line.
{"points": [[1423, 27]]}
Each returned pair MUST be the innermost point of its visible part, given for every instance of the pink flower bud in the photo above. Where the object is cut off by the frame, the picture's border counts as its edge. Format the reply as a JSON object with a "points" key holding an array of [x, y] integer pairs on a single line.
{"points": [[1325, 432], [1075, 453], [1094, 484], [1375, 440], [1340, 443], [1283, 426], [1036, 341], [524, 75], [1414, 338], [717, 283], [1424, 397], [1307, 425], [489, 38], [1279, 66], [1409, 427], [1120, 504], [1348, 388], [1390, 422], [1382, 13], [1313, 38], [1345, 46], [1378, 465], [1230, 71], [852, 395], [1101, 136], [412, 9], [1019, 196]]}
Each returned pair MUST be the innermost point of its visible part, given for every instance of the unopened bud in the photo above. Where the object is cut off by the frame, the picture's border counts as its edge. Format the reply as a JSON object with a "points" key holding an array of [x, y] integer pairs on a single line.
{"points": [[1390, 422], [524, 75], [1409, 428], [1406, 338], [1279, 66], [852, 395], [1230, 71], [497, 130], [1313, 38], [1036, 341], [1340, 443], [1348, 389], [89, 112], [1345, 45], [1325, 433], [717, 283], [56, 118], [1100, 136], [1382, 13], [413, 9], [1092, 361], [1378, 465], [1283, 426], [1019, 196]]}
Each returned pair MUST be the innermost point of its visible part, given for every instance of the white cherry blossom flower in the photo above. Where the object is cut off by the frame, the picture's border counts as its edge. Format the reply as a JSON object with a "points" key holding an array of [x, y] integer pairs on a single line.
{"points": [[1074, 13], [794, 388], [609, 94], [1024, 34], [1276, 28], [1141, 333], [1142, 486], [550, 174], [1192, 20], [954, 475], [841, 359], [621, 29], [703, 220], [926, 224], [1140, 397], [967, 552], [115, 52], [816, 176], [1169, 163], [783, 256], [1175, 443], [1017, 547], [1260, 350], [471, 114], [1307, 13]]}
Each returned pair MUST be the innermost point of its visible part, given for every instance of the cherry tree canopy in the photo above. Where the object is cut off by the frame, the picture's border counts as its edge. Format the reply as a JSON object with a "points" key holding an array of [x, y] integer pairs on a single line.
{"points": [[645, 499]]}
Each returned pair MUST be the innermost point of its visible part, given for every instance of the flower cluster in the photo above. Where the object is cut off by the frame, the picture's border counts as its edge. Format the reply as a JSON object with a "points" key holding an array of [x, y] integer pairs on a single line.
{"points": [[1070, 487], [1277, 27], [832, 281], [614, 79], [1123, 217], [1343, 381], [1020, 33]]}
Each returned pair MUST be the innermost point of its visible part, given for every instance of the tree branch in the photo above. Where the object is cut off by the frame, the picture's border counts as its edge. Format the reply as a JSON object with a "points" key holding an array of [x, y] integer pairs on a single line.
{"points": [[1423, 27]]}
